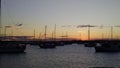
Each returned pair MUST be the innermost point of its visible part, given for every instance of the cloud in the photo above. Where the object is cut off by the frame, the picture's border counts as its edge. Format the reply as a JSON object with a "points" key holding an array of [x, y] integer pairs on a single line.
{"points": [[81, 26], [66, 26], [19, 24]]}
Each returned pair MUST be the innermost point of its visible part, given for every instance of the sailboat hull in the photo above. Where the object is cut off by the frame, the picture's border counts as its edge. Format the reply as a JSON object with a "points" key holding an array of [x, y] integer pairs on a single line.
{"points": [[11, 47], [107, 47]]}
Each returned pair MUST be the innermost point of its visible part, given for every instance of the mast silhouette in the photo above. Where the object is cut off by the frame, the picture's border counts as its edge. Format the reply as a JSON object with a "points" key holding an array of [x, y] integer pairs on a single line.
{"points": [[34, 34], [52, 36], [111, 32], [88, 26], [39, 35], [45, 31], [55, 32], [5, 32], [118, 31], [88, 32], [66, 35]]}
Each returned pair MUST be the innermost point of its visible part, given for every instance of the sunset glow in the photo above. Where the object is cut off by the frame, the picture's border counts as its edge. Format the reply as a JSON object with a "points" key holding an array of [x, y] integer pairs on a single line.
{"points": [[66, 14]]}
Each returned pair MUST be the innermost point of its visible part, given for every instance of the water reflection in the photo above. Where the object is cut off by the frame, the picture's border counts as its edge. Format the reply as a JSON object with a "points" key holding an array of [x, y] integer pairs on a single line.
{"points": [[69, 56]]}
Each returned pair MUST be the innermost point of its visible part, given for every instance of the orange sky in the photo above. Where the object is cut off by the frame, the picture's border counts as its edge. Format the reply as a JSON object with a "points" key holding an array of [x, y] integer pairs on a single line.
{"points": [[35, 14]]}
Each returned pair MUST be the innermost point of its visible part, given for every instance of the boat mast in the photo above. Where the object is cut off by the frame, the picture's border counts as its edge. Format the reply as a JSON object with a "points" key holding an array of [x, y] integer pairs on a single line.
{"points": [[88, 32], [39, 35], [52, 36], [34, 34], [118, 31], [111, 32], [5, 31], [55, 32], [66, 35], [45, 31]]}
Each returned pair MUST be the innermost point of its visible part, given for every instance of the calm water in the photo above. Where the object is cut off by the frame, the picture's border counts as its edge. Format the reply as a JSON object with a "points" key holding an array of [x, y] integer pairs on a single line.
{"points": [[69, 56]]}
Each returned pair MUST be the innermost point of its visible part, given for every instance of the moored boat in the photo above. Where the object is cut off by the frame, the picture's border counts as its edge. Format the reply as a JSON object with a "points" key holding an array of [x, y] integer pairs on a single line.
{"points": [[89, 44], [47, 45], [107, 47], [11, 47]]}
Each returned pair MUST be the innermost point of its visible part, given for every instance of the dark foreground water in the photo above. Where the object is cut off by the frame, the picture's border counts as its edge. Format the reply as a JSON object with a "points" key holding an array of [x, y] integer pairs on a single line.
{"points": [[69, 56]]}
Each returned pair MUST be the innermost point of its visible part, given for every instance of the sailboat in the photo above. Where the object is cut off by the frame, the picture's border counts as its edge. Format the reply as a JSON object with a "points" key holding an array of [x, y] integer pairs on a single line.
{"points": [[46, 44], [10, 46], [109, 46]]}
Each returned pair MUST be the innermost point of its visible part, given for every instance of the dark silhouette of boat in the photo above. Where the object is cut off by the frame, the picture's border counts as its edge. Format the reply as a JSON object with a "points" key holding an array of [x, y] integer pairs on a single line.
{"points": [[11, 47], [89, 44], [47, 44], [107, 47]]}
